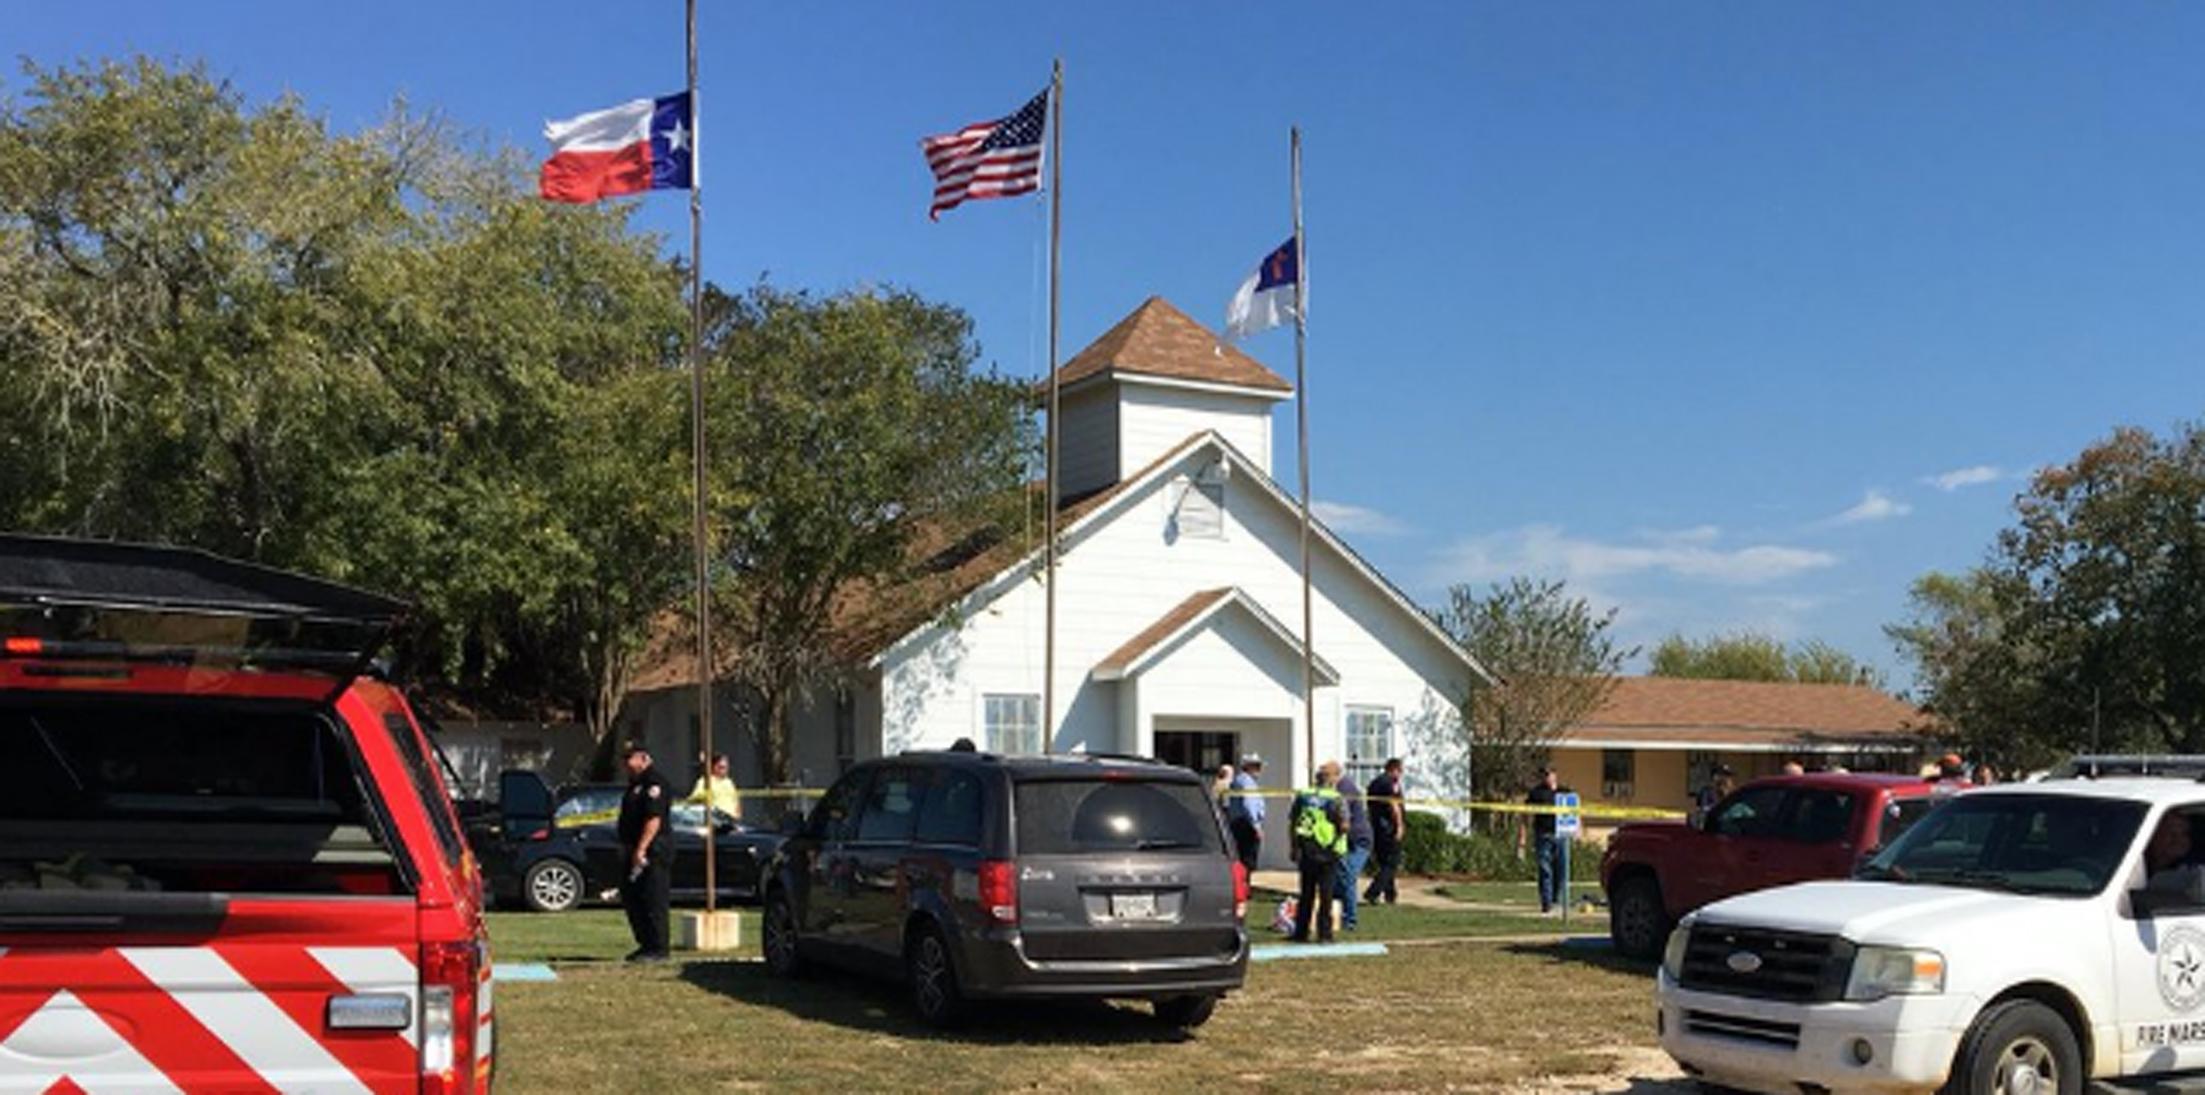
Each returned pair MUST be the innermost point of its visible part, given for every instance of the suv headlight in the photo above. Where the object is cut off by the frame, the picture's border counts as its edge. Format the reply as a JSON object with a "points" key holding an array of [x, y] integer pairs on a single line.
{"points": [[1893, 971], [1672, 956]]}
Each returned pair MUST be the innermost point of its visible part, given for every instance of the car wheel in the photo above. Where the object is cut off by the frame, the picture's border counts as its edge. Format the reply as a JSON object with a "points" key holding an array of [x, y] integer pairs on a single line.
{"points": [[777, 937], [1636, 919], [1186, 1012], [2019, 1047], [553, 885], [933, 976]]}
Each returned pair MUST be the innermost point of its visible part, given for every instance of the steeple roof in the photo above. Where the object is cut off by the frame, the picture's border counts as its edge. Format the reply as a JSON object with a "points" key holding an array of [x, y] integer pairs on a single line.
{"points": [[1160, 340]]}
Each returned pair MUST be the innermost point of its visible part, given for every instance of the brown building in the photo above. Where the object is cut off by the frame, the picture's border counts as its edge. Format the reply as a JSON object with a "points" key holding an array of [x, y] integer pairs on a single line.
{"points": [[1656, 740]]}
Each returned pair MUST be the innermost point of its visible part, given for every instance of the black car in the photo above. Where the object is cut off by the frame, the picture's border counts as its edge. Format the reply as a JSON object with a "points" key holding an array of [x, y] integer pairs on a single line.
{"points": [[979, 876], [551, 852]]}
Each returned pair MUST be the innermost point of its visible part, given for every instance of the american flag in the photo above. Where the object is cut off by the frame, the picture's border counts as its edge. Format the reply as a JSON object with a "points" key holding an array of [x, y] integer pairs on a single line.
{"points": [[995, 159]]}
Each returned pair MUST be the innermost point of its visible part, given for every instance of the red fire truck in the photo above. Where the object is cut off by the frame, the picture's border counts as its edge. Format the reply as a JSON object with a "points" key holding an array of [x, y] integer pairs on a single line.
{"points": [[228, 860]]}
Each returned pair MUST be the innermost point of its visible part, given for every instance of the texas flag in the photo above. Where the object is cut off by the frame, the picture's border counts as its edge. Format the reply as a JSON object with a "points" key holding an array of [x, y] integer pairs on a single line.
{"points": [[647, 144]]}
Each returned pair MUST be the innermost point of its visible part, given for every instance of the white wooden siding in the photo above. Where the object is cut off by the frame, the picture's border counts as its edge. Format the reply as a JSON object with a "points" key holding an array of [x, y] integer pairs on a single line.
{"points": [[1089, 435], [1152, 419], [1120, 576]]}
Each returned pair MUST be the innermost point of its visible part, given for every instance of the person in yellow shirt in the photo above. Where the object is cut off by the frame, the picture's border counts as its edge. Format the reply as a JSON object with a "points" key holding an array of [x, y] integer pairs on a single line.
{"points": [[718, 788]]}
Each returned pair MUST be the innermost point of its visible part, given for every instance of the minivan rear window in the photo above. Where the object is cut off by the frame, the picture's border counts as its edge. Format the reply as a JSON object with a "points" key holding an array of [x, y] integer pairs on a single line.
{"points": [[1064, 817]]}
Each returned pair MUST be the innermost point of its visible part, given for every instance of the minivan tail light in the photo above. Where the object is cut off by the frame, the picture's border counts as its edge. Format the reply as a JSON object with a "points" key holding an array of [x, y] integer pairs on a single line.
{"points": [[1240, 889], [999, 890], [451, 996]]}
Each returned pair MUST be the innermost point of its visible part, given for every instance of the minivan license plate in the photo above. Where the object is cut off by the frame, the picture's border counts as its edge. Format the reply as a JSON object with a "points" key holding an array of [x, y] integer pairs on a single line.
{"points": [[1133, 906]]}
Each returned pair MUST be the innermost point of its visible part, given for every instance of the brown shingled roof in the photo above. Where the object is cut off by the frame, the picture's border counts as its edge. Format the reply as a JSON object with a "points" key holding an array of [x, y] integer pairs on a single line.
{"points": [[1160, 340], [1117, 663], [1683, 710], [1185, 611]]}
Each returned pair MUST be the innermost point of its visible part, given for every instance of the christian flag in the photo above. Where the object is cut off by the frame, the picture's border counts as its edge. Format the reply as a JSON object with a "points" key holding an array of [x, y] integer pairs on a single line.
{"points": [[1266, 299], [646, 144]]}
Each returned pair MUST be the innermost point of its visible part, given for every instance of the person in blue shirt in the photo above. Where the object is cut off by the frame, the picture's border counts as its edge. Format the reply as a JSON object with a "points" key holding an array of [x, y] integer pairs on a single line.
{"points": [[1347, 881], [1245, 811]]}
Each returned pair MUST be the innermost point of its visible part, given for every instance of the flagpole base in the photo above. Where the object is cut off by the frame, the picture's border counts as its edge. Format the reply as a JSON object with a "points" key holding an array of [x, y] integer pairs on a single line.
{"points": [[720, 930]]}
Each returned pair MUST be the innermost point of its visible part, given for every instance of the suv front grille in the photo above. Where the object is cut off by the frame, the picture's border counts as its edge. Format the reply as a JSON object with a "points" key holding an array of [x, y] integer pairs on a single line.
{"points": [[1765, 964], [1743, 1029]]}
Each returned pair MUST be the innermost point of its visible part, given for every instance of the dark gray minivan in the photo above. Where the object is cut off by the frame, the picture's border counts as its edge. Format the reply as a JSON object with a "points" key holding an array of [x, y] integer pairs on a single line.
{"points": [[979, 876]]}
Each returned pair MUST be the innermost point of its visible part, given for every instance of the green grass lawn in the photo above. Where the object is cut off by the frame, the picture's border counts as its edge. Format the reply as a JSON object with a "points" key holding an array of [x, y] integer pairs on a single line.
{"points": [[1525, 894], [1478, 1017], [601, 935], [584, 935], [1453, 1016], [1382, 922]]}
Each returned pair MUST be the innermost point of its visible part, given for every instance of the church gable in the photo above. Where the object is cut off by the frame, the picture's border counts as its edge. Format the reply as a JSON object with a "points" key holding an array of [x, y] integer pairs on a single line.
{"points": [[1203, 508]]}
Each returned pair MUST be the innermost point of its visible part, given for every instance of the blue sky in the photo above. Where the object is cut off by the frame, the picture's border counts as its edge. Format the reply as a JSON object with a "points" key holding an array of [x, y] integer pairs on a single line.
{"points": [[1689, 304]]}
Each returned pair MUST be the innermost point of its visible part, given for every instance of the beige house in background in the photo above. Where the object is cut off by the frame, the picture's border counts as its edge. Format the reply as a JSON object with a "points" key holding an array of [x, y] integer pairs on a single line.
{"points": [[1656, 740]]}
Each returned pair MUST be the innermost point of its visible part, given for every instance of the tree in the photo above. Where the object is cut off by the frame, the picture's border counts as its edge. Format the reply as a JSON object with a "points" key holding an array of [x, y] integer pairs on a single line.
{"points": [[622, 486], [2085, 627], [1971, 677], [372, 356], [855, 428], [1753, 656], [1742, 656], [1557, 660]]}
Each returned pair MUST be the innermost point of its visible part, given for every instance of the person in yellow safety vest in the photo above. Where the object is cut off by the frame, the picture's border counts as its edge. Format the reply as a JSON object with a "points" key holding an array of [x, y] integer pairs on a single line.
{"points": [[717, 788], [1319, 824]]}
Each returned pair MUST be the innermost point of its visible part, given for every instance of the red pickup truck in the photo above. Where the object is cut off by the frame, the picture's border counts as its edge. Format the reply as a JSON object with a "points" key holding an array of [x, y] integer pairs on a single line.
{"points": [[1771, 832]]}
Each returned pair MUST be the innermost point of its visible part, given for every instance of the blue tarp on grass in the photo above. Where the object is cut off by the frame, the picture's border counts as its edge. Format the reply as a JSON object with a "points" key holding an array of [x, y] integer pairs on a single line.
{"points": [[1265, 952]]}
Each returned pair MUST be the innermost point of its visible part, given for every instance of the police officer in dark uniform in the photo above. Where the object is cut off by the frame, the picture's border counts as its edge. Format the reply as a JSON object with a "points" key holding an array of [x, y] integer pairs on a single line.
{"points": [[648, 843]]}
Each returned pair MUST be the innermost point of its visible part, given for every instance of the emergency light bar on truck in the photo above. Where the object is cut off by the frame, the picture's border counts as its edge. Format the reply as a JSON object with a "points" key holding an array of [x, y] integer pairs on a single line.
{"points": [[66, 600], [2107, 766]]}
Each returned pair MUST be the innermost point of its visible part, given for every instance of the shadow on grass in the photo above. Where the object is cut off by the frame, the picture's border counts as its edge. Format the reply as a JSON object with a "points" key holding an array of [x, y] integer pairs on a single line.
{"points": [[884, 1007], [1596, 952]]}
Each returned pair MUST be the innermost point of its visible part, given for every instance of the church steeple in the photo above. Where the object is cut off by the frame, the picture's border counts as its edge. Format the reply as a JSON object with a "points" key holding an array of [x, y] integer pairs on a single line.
{"points": [[1150, 382]]}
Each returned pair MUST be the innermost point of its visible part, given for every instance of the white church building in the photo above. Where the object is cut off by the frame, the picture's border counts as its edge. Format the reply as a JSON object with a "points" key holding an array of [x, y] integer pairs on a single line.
{"points": [[1179, 608]]}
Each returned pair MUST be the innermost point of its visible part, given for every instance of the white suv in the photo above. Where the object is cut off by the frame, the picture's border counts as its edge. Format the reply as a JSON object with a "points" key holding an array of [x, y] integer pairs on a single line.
{"points": [[2020, 939]]}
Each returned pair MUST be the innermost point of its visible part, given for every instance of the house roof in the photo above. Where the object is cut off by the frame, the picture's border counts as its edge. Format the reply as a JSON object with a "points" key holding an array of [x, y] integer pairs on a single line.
{"points": [[1159, 340], [1684, 713], [1144, 648]]}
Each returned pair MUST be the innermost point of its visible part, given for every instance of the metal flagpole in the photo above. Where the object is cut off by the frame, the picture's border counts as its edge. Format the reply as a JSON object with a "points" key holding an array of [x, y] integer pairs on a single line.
{"points": [[1049, 489], [1301, 430], [696, 453]]}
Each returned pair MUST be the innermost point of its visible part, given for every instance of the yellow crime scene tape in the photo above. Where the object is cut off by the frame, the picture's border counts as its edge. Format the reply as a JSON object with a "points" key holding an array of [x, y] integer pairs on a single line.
{"points": [[1590, 809]]}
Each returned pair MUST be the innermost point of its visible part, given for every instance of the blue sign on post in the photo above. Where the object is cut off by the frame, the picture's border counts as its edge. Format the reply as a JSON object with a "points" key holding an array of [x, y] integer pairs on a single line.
{"points": [[1566, 823]]}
